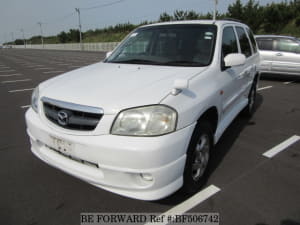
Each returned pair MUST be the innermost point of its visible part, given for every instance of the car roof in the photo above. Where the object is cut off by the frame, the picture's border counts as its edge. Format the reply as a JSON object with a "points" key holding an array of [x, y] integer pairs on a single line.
{"points": [[274, 36], [213, 22]]}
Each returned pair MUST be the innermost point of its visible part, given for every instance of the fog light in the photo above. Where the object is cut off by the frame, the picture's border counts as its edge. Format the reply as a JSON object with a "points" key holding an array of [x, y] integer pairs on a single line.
{"points": [[146, 176]]}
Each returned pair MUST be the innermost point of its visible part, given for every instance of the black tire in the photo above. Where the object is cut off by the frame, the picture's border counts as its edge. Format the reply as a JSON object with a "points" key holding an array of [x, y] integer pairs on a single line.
{"points": [[198, 157], [249, 109]]}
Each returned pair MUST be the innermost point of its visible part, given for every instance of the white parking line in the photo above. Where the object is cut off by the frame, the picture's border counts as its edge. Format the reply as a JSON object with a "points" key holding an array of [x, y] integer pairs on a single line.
{"points": [[21, 90], [28, 64], [263, 88], [288, 82], [281, 146], [4, 67], [4, 71], [43, 68], [54, 71], [191, 202], [63, 64], [14, 81], [35, 66], [11, 75], [25, 106]]}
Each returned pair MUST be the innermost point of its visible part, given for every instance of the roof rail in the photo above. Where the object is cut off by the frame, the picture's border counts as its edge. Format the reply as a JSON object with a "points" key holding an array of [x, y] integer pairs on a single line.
{"points": [[232, 19]]}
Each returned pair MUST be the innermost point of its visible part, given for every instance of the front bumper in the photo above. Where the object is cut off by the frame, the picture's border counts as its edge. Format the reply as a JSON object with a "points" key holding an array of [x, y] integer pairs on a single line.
{"points": [[115, 163]]}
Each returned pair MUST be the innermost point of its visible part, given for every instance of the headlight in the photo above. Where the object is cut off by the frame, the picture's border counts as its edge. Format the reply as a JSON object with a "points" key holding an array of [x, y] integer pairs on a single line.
{"points": [[145, 121], [35, 99]]}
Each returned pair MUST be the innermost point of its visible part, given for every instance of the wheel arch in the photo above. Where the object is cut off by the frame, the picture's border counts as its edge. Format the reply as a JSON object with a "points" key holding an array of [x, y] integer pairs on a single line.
{"points": [[211, 115], [256, 77]]}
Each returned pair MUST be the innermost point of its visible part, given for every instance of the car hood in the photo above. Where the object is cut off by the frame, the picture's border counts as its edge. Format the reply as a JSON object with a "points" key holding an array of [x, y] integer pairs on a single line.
{"points": [[114, 87]]}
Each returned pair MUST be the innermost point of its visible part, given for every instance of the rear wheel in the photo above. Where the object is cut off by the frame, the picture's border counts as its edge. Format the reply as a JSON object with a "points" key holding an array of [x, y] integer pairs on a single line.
{"points": [[198, 156]]}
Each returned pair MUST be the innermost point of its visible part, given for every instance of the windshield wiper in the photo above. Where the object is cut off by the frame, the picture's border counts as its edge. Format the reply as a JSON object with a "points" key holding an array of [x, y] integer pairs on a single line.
{"points": [[137, 61], [183, 63]]}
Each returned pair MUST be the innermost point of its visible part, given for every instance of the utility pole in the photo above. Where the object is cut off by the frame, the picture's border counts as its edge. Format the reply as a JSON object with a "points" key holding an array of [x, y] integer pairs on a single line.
{"points": [[215, 11], [42, 39], [22, 30], [80, 35]]}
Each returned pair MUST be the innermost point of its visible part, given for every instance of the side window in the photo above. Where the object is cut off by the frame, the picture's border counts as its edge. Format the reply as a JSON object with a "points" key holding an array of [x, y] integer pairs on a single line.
{"points": [[229, 42], [244, 42], [265, 44], [286, 45], [253, 42]]}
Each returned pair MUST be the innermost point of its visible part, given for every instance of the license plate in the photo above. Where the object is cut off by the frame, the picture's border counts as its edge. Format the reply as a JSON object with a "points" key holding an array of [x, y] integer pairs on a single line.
{"points": [[63, 146]]}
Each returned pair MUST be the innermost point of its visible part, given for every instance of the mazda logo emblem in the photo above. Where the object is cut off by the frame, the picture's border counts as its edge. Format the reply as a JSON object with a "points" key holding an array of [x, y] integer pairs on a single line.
{"points": [[63, 118]]}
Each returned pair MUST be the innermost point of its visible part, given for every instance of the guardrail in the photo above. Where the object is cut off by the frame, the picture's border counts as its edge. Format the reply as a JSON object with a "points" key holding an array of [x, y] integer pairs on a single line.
{"points": [[100, 46]]}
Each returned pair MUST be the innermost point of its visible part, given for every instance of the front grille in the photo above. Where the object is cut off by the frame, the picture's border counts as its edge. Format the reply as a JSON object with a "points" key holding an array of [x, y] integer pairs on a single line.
{"points": [[71, 116]]}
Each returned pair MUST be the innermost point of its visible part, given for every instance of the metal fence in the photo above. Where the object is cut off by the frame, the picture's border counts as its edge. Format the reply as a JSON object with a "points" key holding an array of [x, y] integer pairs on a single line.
{"points": [[102, 46]]}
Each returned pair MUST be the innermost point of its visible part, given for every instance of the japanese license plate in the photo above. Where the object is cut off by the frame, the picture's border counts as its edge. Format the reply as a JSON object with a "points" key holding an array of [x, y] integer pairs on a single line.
{"points": [[63, 146]]}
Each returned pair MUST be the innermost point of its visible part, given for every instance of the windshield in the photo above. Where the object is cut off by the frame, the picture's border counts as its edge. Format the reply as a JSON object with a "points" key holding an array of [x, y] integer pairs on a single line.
{"points": [[172, 45]]}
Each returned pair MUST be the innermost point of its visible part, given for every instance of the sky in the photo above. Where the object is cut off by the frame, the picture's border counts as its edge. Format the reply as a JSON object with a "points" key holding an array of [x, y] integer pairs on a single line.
{"points": [[60, 15]]}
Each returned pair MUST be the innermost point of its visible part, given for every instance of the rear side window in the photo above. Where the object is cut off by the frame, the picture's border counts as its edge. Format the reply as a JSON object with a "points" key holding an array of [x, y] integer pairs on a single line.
{"points": [[250, 34], [244, 42], [265, 44], [286, 45], [229, 42]]}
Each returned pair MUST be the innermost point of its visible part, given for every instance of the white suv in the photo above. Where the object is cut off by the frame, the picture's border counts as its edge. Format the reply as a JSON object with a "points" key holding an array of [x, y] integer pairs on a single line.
{"points": [[143, 122]]}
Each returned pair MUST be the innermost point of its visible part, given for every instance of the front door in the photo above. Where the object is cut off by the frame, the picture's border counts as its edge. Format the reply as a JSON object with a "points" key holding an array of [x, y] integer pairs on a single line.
{"points": [[286, 58]]}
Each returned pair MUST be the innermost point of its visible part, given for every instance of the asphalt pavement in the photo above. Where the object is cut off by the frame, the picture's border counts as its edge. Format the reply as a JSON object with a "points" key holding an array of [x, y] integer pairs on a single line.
{"points": [[255, 166]]}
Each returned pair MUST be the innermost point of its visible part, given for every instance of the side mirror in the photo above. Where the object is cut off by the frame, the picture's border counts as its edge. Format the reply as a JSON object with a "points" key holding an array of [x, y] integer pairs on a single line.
{"points": [[234, 59], [108, 54]]}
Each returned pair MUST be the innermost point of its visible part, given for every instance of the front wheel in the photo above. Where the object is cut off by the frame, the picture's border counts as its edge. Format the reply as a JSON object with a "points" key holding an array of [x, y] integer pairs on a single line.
{"points": [[198, 156]]}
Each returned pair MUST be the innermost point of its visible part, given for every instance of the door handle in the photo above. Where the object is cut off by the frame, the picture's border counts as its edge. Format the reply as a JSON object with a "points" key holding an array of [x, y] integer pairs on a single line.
{"points": [[279, 54]]}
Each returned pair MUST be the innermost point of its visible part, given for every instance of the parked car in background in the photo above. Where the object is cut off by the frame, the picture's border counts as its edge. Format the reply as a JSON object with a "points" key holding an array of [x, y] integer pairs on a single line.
{"points": [[143, 122], [5, 46], [279, 54]]}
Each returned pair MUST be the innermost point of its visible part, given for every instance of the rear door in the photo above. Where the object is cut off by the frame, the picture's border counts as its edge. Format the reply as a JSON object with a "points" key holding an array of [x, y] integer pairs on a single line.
{"points": [[266, 50], [249, 69], [286, 57]]}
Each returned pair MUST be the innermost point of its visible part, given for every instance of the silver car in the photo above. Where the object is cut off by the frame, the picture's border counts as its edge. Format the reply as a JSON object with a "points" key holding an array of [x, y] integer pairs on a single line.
{"points": [[279, 54]]}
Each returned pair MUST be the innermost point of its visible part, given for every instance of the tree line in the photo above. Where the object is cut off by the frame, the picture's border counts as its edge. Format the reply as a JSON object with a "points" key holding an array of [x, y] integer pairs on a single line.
{"points": [[274, 18], [271, 18]]}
